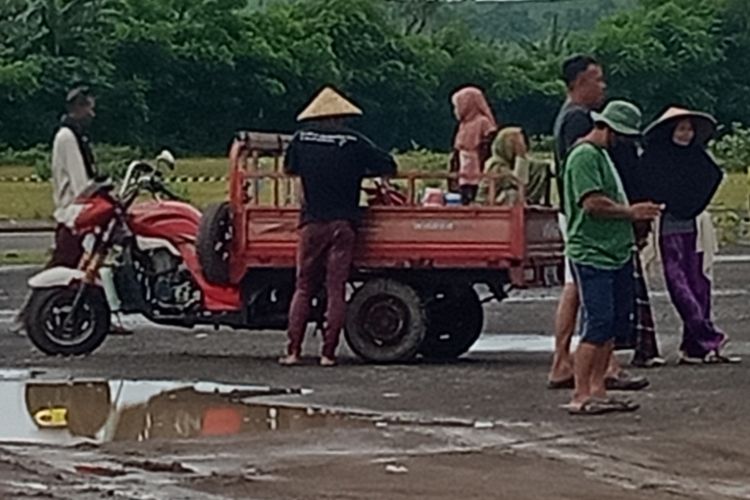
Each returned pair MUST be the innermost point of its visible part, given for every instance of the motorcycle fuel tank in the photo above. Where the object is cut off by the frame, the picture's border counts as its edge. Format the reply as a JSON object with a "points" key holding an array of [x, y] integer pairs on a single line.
{"points": [[171, 220]]}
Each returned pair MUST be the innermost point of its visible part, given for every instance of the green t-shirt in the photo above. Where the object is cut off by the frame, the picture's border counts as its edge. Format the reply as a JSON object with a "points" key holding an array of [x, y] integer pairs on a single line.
{"points": [[595, 241]]}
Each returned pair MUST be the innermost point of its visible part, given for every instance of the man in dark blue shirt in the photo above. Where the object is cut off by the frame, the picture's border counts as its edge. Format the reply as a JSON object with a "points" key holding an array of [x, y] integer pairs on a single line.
{"points": [[331, 160]]}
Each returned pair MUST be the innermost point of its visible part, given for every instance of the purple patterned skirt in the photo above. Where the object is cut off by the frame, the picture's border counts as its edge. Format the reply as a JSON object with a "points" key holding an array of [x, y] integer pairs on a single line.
{"points": [[690, 290]]}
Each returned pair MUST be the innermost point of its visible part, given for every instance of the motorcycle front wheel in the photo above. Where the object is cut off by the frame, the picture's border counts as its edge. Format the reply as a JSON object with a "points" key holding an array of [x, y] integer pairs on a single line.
{"points": [[47, 328]]}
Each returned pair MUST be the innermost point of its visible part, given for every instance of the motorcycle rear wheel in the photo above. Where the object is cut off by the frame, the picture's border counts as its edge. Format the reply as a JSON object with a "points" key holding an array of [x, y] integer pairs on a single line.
{"points": [[46, 314]]}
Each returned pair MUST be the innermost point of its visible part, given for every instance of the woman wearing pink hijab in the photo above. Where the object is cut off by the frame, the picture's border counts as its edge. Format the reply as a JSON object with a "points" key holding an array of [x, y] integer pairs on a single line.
{"points": [[476, 128]]}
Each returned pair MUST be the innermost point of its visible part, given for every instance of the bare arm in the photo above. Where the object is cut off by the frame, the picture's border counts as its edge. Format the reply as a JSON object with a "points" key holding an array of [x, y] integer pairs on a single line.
{"points": [[377, 162], [290, 159], [598, 205]]}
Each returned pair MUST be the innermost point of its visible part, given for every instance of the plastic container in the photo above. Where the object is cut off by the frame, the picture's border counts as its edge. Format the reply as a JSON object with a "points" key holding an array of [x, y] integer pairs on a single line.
{"points": [[453, 199]]}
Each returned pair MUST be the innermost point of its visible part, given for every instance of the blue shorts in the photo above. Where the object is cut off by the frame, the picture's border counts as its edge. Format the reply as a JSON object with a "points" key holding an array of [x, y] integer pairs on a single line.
{"points": [[607, 302]]}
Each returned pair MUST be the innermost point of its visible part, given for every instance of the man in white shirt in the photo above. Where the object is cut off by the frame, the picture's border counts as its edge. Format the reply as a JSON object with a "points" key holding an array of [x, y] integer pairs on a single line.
{"points": [[72, 170]]}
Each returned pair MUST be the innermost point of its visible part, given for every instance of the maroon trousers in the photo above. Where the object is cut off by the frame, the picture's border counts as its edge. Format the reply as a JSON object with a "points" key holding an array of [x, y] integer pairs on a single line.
{"points": [[68, 248], [324, 254]]}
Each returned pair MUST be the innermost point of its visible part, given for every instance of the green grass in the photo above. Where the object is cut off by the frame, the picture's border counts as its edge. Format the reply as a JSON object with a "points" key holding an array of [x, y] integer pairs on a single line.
{"points": [[201, 166], [25, 200], [733, 193], [202, 195], [34, 201], [15, 171]]}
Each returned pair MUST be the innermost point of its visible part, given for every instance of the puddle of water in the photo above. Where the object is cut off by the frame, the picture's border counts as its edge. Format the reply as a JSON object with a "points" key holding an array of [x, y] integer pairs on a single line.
{"points": [[98, 411], [517, 343]]}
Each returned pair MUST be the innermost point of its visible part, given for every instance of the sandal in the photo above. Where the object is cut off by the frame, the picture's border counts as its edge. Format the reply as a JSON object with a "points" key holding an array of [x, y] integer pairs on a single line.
{"points": [[624, 381], [726, 359], [724, 342], [590, 407], [327, 362], [714, 358], [655, 362], [290, 360], [567, 383], [619, 405]]}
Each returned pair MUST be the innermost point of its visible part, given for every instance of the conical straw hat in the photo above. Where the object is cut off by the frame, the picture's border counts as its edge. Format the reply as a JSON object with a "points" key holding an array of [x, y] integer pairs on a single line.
{"points": [[705, 124], [328, 103]]}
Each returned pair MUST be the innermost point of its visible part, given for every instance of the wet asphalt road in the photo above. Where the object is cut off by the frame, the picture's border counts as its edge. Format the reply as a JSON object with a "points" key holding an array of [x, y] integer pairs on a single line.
{"points": [[40, 241], [690, 439]]}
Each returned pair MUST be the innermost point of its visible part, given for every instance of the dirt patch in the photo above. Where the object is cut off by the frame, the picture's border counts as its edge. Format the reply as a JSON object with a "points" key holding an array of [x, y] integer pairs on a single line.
{"points": [[437, 477]]}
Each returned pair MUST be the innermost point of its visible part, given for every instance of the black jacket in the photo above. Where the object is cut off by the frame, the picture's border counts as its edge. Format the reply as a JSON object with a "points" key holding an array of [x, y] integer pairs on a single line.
{"points": [[332, 163]]}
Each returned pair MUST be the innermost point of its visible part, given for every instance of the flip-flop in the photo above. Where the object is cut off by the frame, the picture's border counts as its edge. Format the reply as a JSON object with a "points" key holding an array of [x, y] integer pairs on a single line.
{"points": [[724, 342], [619, 405], [568, 383], [590, 407], [626, 382], [285, 361], [327, 362], [714, 358], [655, 362]]}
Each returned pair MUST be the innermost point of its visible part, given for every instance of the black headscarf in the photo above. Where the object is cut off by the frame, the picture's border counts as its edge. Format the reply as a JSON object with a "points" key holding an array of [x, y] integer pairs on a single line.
{"points": [[684, 178], [84, 144], [624, 155]]}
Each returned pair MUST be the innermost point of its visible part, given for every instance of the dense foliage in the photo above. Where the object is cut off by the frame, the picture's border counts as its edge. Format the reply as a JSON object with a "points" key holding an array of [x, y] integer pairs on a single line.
{"points": [[188, 73]]}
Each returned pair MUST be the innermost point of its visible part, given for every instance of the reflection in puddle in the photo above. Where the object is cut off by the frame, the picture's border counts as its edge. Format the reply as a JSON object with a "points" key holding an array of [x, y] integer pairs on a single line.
{"points": [[70, 412], [16, 374]]}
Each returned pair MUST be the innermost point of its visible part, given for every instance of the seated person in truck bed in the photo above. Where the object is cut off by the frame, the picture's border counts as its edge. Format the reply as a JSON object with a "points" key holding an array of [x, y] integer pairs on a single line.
{"points": [[512, 160], [331, 160]]}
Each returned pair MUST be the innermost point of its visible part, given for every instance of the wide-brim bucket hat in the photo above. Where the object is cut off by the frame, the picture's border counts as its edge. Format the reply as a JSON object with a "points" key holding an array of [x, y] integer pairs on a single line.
{"points": [[328, 103], [704, 124], [621, 116]]}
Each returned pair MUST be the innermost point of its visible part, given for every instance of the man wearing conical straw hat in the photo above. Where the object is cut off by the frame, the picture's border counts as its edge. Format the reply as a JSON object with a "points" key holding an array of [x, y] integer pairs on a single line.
{"points": [[331, 159]]}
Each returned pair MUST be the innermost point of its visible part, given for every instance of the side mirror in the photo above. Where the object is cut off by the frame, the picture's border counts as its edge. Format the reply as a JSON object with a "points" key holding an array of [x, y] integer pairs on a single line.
{"points": [[166, 158]]}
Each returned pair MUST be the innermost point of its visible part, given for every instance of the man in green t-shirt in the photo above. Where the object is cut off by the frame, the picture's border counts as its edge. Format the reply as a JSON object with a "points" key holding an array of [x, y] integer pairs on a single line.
{"points": [[600, 245]]}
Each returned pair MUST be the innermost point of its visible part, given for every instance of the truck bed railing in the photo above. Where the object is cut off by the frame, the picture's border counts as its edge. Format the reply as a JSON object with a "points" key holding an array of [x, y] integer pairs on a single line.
{"points": [[247, 174]]}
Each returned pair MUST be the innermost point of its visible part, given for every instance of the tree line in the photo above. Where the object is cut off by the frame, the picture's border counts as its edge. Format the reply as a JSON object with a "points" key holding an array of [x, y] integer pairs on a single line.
{"points": [[186, 74]]}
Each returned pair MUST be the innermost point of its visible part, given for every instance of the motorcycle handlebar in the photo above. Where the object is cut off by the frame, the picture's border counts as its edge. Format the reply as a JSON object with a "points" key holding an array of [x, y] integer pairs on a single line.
{"points": [[151, 181], [157, 186], [170, 194]]}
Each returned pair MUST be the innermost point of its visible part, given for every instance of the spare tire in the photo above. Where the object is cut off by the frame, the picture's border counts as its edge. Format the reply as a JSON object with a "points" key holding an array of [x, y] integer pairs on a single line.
{"points": [[455, 319], [214, 242]]}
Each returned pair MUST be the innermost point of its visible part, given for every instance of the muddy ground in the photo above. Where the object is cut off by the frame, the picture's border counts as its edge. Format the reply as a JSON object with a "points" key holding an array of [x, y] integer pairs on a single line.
{"points": [[482, 427]]}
